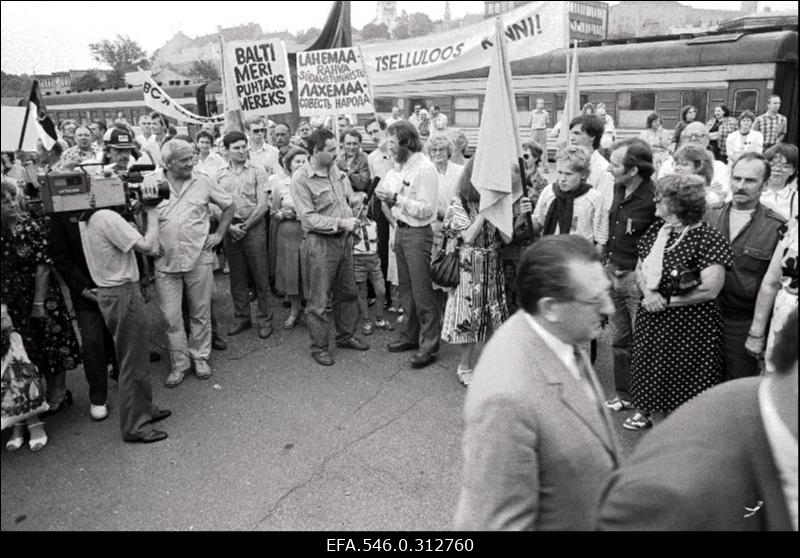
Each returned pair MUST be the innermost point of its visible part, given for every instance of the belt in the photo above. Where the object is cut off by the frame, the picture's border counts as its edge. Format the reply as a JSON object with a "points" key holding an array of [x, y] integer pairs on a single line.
{"points": [[329, 235], [404, 225]]}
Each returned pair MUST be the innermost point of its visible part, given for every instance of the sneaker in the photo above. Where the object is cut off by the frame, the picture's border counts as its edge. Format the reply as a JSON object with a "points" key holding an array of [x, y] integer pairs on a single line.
{"points": [[366, 329], [175, 377], [384, 324], [202, 370], [98, 412]]}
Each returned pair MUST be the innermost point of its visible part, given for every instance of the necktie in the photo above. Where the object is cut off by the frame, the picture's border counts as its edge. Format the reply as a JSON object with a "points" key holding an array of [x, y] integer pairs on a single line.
{"points": [[585, 370]]}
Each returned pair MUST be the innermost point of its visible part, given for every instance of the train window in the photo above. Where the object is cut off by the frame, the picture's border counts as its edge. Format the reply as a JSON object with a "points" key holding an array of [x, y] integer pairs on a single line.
{"points": [[383, 105], [698, 99], [745, 99], [634, 107], [467, 112], [561, 99]]}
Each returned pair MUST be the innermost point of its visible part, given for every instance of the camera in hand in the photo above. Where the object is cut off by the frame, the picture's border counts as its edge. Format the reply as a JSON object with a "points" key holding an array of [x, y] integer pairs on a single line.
{"points": [[79, 190]]}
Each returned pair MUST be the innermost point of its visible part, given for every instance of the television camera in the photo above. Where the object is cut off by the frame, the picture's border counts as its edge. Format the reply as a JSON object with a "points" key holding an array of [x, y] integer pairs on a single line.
{"points": [[79, 190]]}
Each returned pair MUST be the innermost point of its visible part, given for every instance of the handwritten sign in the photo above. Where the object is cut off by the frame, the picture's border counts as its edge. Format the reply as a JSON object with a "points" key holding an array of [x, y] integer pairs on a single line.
{"points": [[257, 76], [332, 81]]}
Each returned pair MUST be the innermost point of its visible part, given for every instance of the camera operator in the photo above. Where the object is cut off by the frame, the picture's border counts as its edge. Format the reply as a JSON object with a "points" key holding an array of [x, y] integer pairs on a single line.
{"points": [[69, 260], [109, 242]]}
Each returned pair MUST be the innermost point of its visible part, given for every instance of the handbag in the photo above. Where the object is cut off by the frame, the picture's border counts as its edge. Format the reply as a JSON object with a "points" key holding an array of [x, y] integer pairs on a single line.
{"points": [[681, 281], [23, 392], [444, 268]]}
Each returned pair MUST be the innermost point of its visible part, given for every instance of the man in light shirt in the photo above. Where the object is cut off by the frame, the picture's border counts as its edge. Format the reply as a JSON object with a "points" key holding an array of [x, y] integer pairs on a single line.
{"points": [[745, 480], [208, 162], [587, 131], [414, 204], [696, 133], [262, 153]]}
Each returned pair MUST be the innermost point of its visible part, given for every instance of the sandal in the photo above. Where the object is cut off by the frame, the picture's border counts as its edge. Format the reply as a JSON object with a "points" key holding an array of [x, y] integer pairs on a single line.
{"points": [[464, 376], [38, 436], [639, 421], [291, 321], [17, 437], [618, 404]]}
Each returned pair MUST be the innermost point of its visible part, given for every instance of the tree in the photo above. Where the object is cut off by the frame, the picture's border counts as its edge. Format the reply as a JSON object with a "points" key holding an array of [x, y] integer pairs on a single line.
{"points": [[15, 86], [122, 55], [308, 35], [87, 81], [419, 24], [204, 69], [401, 30], [372, 31]]}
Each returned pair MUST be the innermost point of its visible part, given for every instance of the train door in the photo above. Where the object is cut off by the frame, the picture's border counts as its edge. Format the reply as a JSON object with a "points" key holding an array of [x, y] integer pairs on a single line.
{"points": [[698, 99], [747, 95]]}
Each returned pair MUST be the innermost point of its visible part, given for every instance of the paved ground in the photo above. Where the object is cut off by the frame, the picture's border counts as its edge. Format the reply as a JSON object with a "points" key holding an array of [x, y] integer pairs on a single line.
{"points": [[271, 442]]}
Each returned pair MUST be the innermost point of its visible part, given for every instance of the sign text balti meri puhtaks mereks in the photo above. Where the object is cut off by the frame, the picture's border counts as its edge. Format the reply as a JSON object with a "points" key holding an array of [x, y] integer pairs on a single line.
{"points": [[257, 75], [332, 81]]}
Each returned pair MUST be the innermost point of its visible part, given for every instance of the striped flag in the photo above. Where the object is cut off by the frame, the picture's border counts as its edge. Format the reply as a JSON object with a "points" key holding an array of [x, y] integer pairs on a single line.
{"points": [[44, 124]]}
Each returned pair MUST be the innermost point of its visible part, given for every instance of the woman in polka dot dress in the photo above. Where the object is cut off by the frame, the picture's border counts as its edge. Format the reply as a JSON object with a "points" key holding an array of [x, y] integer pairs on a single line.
{"points": [[677, 344]]}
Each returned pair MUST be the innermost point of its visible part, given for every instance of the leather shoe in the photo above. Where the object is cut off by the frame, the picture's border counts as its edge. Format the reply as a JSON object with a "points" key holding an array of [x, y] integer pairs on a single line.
{"points": [[175, 377], [154, 356], [421, 359], [160, 414], [218, 343], [353, 343], [264, 332], [202, 370], [148, 438], [401, 346], [323, 358], [239, 327]]}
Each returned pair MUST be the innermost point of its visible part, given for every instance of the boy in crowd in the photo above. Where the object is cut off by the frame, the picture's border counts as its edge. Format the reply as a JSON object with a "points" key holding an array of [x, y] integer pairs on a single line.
{"points": [[367, 265]]}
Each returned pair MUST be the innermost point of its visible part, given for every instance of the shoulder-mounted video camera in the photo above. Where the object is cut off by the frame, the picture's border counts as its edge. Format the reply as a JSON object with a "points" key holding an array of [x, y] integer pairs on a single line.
{"points": [[79, 190]]}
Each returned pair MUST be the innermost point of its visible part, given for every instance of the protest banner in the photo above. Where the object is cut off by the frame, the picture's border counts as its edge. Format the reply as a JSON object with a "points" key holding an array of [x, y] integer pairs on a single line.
{"points": [[532, 29], [257, 74], [156, 99], [332, 81]]}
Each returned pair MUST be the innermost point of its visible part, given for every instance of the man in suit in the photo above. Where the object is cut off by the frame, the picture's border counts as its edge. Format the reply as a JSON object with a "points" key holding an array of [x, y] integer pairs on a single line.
{"points": [[727, 460], [538, 443]]}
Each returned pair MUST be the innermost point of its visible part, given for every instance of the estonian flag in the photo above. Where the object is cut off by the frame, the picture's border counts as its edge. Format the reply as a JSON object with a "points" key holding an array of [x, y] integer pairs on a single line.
{"points": [[45, 125]]}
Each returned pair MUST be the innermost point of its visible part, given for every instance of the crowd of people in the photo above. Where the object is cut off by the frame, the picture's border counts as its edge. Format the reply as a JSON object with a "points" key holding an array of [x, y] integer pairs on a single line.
{"points": [[687, 246]]}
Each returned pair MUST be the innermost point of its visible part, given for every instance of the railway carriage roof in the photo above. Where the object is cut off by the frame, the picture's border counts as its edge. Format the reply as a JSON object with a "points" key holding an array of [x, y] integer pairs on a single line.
{"points": [[708, 50]]}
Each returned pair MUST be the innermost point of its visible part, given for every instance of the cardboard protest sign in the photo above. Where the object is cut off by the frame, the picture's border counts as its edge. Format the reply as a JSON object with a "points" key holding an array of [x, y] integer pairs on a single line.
{"points": [[156, 99], [332, 81], [256, 74], [534, 28]]}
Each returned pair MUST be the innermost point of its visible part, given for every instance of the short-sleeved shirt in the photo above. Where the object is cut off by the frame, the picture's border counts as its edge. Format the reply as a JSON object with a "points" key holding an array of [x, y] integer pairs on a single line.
{"points": [[75, 156], [243, 186], [321, 198], [266, 157], [108, 242], [539, 119], [183, 222], [771, 126], [211, 165]]}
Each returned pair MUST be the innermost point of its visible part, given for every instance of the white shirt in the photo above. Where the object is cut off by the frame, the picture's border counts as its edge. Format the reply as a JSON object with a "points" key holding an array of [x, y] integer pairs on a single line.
{"points": [[108, 242], [448, 185], [736, 144], [784, 448], [565, 353], [738, 220], [589, 217], [379, 163], [418, 191], [600, 179], [210, 165], [267, 157], [784, 201]]}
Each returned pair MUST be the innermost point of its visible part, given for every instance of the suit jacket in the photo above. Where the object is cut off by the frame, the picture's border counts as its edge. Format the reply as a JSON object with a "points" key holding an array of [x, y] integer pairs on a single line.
{"points": [[701, 470], [537, 451]]}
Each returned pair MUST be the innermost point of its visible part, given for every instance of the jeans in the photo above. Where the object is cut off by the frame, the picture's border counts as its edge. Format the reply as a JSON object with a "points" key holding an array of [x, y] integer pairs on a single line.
{"points": [[98, 350], [198, 284], [330, 270], [423, 323], [249, 253], [626, 296], [125, 316]]}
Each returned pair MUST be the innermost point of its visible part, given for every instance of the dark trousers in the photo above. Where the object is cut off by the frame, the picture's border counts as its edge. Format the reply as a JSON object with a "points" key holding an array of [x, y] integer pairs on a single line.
{"points": [[97, 347], [330, 271], [125, 316], [382, 226], [249, 254], [738, 362], [422, 325]]}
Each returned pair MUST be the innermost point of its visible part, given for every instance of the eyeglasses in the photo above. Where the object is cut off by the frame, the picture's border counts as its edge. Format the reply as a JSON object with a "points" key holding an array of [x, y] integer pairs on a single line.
{"points": [[526, 156], [437, 150], [258, 130], [695, 136], [781, 166]]}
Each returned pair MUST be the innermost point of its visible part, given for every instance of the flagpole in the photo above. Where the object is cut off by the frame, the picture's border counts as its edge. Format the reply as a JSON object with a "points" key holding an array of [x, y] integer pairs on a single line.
{"points": [[236, 119], [369, 83], [501, 44], [27, 113]]}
